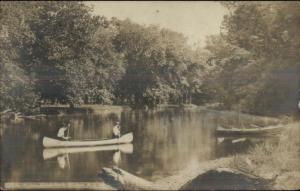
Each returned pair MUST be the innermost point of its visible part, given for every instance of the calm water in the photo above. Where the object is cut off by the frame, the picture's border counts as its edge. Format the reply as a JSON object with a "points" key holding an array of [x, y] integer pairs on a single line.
{"points": [[164, 142]]}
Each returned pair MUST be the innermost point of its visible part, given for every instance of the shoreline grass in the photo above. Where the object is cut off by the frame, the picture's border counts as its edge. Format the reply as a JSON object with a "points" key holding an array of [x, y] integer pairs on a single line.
{"points": [[276, 162]]}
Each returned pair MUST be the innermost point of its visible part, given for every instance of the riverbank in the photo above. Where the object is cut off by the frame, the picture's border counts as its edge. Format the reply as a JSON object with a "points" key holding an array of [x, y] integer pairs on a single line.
{"points": [[50, 109], [66, 109], [271, 165], [278, 163]]}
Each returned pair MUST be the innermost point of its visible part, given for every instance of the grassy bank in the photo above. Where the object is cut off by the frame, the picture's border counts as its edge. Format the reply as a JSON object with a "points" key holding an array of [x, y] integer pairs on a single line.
{"points": [[96, 107], [277, 162]]}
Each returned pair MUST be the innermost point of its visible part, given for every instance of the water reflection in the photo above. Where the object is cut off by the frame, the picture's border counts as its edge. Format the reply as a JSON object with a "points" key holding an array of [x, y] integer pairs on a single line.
{"points": [[62, 154], [164, 141], [117, 157], [54, 152], [62, 160]]}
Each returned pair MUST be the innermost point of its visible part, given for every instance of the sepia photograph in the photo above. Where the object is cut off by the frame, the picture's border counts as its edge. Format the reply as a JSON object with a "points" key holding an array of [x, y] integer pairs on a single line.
{"points": [[150, 95]]}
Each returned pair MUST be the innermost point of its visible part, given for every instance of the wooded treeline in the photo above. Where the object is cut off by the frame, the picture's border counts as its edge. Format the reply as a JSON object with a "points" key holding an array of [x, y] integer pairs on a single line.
{"points": [[258, 58], [60, 51]]}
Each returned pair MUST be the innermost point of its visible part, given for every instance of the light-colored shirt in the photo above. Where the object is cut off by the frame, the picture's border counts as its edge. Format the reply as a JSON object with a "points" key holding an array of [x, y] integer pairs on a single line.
{"points": [[116, 131], [61, 132]]}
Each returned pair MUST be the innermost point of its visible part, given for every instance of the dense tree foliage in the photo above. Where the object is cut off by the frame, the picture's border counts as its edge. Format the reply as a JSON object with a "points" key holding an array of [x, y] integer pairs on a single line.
{"points": [[16, 84], [256, 57], [160, 67], [70, 56], [61, 52]]}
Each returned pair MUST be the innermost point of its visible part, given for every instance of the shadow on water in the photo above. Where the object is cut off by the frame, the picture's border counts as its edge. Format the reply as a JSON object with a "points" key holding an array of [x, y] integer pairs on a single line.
{"points": [[214, 180]]}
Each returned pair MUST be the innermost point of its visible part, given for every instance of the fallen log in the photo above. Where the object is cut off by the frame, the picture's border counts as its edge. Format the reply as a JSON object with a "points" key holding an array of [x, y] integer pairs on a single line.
{"points": [[186, 175], [121, 179], [226, 179]]}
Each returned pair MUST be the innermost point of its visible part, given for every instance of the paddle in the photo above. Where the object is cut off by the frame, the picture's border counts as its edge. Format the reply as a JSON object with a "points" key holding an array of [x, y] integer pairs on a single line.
{"points": [[68, 131], [68, 161]]}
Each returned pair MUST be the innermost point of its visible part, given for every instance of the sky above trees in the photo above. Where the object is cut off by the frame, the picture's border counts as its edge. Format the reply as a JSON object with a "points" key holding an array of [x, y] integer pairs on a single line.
{"points": [[195, 20]]}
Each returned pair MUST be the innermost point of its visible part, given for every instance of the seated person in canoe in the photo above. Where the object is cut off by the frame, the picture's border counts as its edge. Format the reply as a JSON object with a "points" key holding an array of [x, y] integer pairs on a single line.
{"points": [[117, 130], [62, 132]]}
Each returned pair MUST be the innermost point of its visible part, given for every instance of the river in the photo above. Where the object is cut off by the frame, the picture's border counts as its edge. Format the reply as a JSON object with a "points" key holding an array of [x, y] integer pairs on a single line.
{"points": [[165, 141]]}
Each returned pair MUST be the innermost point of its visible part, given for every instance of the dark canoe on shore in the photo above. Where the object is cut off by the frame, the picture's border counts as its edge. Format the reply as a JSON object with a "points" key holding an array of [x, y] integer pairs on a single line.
{"points": [[49, 142], [261, 131]]}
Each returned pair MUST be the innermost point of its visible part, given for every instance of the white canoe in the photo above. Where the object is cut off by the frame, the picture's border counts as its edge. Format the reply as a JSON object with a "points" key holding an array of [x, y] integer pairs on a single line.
{"points": [[49, 142], [53, 152]]}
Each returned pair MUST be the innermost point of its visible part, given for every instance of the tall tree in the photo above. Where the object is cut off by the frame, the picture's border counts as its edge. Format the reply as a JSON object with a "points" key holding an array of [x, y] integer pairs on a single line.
{"points": [[60, 53], [16, 84], [160, 66], [268, 34]]}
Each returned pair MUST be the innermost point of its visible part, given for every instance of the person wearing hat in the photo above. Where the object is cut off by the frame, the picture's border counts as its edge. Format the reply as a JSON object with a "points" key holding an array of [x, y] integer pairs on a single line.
{"points": [[117, 130]]}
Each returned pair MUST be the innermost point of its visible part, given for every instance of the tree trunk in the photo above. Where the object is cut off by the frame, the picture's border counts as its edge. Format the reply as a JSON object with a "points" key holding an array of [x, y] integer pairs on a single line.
{"points": [[121, 179], [124, 180]]}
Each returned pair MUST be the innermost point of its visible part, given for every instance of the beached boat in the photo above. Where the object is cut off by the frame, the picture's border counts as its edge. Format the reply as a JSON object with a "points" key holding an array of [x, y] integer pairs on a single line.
{"points": [[261, 131], [54, 152], [50, 142]]}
